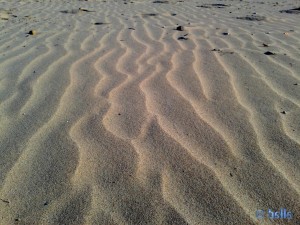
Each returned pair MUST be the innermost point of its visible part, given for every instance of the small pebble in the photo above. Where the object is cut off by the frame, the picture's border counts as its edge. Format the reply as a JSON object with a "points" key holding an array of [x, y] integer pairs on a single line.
{"points": [[269, 53], [32, 32], [180, 28]]}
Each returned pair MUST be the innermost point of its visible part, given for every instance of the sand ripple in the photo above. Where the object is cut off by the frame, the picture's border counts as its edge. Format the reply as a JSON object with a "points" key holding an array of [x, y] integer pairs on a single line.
{"points": [[109, 115]]}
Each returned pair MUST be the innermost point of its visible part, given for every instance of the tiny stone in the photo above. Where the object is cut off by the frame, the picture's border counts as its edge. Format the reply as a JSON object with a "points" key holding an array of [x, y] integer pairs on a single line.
{"points": [[32, 32], [180, 28], [269, 53]]}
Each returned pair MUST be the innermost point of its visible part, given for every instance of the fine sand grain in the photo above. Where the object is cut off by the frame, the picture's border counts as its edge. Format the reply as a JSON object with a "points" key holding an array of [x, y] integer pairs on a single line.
{"points": [[149, 112]]}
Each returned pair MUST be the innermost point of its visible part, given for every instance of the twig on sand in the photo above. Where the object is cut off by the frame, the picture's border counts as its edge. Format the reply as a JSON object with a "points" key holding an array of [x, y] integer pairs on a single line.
{"points": [[5, 201]]}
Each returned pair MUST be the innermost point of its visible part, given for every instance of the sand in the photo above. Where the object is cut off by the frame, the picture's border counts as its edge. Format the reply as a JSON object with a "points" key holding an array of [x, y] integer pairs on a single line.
{"points": [[149, 112]]}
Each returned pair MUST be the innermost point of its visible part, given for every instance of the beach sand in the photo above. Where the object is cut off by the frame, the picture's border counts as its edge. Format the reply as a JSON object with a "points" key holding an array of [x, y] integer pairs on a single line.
{"points": [[149, 112]]}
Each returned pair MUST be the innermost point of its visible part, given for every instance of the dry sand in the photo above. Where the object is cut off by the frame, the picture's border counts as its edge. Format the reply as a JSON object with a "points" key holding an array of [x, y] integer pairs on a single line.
{"points": [[111, 115]]}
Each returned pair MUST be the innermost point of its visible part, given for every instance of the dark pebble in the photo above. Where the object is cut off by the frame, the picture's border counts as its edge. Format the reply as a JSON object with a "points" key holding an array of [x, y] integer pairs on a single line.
{"points": [[180, 28], [269, 53]]}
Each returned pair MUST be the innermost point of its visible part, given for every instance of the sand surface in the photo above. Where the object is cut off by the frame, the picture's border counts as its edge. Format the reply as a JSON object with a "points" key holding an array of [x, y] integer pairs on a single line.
{"points": [[111, 113]]}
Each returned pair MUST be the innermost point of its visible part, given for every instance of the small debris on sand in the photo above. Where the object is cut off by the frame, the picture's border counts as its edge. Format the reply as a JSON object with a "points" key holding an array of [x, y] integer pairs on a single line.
{"points": [[149, 14], [5, 201], [219, 6], [180, 28], [85, 10], [221, 51], [182, 38], [269, 53], [32, 32], [75, 11], [163, 2], [291, 11], [99, 23], [252, 18]]}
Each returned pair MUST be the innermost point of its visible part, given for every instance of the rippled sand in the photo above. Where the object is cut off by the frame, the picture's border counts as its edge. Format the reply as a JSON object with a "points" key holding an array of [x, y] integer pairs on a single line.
{"points": [[111, 114]]}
